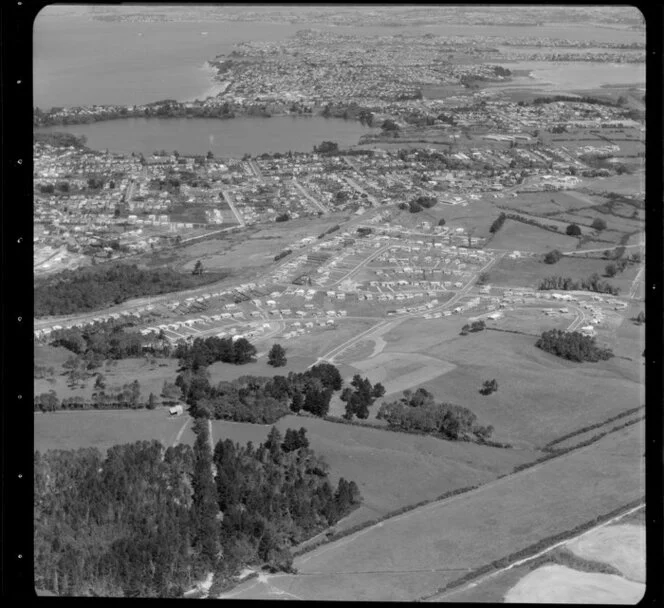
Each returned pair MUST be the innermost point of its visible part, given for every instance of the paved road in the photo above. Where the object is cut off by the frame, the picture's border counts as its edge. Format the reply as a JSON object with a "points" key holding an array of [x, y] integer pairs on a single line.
{"points": [[308, 196], [231, 204], [353, 184]]}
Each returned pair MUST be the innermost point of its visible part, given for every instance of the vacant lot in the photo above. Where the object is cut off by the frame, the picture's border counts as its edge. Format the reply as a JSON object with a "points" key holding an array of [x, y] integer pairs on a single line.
{"points": [[524, 237], [540, 396], [416, 553], [103, 429]]}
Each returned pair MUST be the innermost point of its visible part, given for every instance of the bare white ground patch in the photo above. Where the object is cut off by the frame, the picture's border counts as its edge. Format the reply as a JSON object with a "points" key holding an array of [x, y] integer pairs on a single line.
{"points": [[399, 371], [622, 546], [561, 585]]}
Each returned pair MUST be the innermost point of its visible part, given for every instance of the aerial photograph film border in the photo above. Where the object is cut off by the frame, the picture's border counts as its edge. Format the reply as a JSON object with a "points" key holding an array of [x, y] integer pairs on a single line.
{"points": [[334, 302]]}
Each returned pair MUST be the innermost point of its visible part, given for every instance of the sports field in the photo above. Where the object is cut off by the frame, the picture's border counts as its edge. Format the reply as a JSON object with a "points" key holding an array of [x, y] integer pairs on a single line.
{"points": [[414, 554]]}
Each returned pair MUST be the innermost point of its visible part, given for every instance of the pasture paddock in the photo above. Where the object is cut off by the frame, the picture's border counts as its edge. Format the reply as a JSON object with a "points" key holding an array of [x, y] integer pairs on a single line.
{"points": [[414, 554], [524, 237]]}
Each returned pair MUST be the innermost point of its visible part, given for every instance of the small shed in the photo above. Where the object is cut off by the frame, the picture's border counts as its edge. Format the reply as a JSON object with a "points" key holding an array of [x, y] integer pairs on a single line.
{"points": [[176, 410]]}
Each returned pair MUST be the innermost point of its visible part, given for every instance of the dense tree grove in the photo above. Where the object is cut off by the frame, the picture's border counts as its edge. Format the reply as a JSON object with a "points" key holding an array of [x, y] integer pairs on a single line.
{"points": [[259, 399], [573, 346], [592, 283], [475, 326], [86, 289], [359, 401], [205, 351], [148, 522], [418, 411], [108, 340]]}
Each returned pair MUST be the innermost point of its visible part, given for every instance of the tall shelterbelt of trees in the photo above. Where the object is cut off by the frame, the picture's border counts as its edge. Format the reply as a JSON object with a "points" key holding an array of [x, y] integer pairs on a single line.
{"points": [[148, 522]]}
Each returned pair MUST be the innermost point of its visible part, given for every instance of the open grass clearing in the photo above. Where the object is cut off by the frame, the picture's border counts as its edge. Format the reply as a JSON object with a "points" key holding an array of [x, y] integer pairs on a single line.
{"points": [[151, 376], [70, 430], [524, 237], [529, 271], [560, 584], [476, 215], [540, 396], [414, 554]]}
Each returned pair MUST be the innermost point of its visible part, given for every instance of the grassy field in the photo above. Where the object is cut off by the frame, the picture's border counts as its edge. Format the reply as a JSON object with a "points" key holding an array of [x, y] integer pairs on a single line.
{"points": [[528, 272], [540, 396], [524, 237], [67, 430], [150, 376], [415, 554], [494, 589], [477, 215], [392, 470]]}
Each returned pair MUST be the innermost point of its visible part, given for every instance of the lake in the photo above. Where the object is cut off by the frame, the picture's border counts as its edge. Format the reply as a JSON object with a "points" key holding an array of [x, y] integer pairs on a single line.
{"points": [[224, 137]]}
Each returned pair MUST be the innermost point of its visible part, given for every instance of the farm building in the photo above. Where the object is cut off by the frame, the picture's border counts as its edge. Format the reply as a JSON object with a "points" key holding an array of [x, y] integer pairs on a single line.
{"points": [[176, 410]]}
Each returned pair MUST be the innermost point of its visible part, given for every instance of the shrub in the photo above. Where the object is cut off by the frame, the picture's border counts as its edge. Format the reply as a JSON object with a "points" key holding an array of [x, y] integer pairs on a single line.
{"points": [[573, 230]]}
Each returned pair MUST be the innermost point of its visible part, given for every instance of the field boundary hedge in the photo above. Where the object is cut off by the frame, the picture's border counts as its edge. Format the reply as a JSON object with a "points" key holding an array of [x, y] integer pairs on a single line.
{"points": [[549, 456], [372, 522], [555, 453], [535, 548], [590, 427], [488, 442]]}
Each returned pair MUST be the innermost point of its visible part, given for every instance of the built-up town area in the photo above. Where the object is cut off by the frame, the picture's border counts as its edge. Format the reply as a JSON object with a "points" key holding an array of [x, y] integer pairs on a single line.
{"points": [[478, 254], [477, 144]]}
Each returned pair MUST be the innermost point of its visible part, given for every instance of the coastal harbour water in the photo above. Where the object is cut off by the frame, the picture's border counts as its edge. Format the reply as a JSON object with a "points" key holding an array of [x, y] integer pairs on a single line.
{"points": [[231, 137], [140, 62]]}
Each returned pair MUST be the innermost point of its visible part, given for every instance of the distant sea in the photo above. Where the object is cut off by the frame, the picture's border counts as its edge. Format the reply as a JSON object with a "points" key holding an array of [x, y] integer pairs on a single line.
{"points": [[79, 61]]}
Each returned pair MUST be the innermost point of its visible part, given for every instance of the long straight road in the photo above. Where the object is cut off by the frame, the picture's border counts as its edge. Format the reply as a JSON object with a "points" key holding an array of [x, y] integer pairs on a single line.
{"points": [[308, 196], [231, 204]]}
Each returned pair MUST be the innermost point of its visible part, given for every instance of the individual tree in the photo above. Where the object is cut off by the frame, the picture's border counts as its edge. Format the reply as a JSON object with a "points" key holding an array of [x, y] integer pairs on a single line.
{"points": [[611, 270], [198, 268], [378, 390], [297, 402], [573, 230], [100, 382], [152, 402], [441, 221], [598, 224], [641, 317], [483, 278], [277, 356], [553, 256]]}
